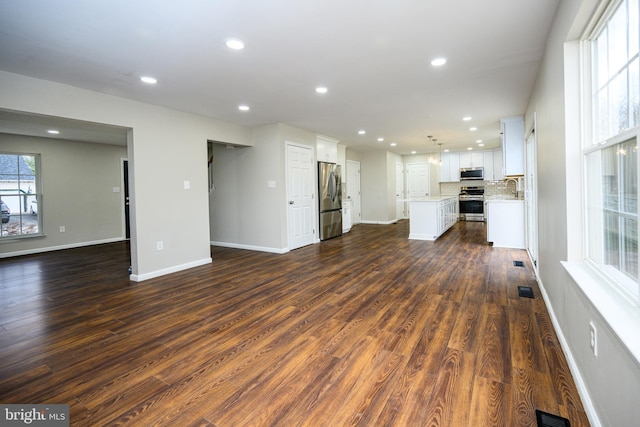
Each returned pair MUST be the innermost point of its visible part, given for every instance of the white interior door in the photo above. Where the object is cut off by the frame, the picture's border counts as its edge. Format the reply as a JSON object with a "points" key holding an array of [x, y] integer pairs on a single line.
{"points": [[531, 198], [400, 212], [417, 180], [353, 190], [301, 217]]}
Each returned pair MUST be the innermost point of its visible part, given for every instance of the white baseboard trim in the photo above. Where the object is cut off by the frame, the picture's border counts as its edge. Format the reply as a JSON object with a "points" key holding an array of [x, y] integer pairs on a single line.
{"points": [[393, 221], [416, 236], [589, 409], [250, 247], [60, 247], [169, 270]]}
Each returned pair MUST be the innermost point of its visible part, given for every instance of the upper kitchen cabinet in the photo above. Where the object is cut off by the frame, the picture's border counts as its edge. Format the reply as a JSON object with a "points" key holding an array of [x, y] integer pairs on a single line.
{"points": [[327, 149], [342, 162], [450, 168], [513, 145], [493, 165], [498, 162], [472, 159]]}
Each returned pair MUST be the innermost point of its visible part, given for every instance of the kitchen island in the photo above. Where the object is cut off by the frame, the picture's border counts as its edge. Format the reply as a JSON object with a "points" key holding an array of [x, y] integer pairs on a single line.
{"points": [[430, 217], [505, 222]]}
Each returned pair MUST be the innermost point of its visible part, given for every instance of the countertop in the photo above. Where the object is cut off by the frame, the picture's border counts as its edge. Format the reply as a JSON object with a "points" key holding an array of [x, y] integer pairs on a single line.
{"points": [[502, 199], [431, 199]]}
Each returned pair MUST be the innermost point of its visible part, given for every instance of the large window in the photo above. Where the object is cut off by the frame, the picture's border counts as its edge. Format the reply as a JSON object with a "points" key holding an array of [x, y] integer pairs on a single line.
{"points": [[20, 195], [611, 150]]}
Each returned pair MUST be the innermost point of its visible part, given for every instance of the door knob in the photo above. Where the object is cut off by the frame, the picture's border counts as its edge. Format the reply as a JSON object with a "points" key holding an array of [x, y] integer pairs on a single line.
{"points": [[290, 202]]}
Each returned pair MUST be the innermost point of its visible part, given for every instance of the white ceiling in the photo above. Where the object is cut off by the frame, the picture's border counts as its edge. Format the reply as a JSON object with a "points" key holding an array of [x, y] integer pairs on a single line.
{"points": [[372, 55]]}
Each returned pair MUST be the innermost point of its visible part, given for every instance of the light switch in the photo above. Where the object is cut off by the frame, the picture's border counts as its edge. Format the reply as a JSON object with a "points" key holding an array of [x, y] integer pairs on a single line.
{"points": [[187, 185], [116, 189], [271, 184]]}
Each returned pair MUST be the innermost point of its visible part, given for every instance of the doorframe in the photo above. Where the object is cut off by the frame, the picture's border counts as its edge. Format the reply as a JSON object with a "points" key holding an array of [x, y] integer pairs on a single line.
{"points": [[402, 191], [356, 215], [408, 166], [126, 211], [314, 175], [531, 195]]}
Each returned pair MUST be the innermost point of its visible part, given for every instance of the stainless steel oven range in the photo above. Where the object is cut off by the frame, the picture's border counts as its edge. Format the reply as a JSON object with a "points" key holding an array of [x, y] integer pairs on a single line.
{"points": [[471, 203]]}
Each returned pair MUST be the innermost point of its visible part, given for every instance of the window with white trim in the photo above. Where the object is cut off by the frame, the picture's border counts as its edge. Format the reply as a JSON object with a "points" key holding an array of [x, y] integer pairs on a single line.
{"points": [[20, 195], [611, 147]]}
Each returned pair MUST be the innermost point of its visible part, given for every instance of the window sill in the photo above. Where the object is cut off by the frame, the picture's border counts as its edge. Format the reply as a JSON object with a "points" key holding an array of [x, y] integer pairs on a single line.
{"points": [[621, 314], [8, 239]]}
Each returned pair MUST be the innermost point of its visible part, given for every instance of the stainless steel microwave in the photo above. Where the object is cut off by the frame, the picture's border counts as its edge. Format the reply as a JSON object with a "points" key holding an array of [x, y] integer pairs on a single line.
{"points": [[467, 174]]}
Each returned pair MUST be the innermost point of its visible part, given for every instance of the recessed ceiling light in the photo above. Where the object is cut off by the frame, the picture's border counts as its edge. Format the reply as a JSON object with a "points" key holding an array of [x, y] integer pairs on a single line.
{"points": [[480, 145], [466, 118], [53, 131], [446, 150], [234, 44], [243, 108], [473, 129], [437, 62], [393, 144], [148, 80], [413, 152], [479, 141], [362, 132], [380, 139], [321, 89], [470, 148]]}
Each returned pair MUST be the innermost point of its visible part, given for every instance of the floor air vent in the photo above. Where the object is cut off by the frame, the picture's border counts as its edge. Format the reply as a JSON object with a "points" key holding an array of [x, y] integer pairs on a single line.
{"points": [[518, 264], [525, 291], [549, 420]]}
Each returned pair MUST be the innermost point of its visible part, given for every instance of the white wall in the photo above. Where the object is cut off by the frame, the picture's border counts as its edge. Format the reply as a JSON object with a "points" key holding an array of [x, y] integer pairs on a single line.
{"points": [[78, 180], [611, 382], [166, 148], [374, 183], [245, 212], [378, 182], [392, 159]]}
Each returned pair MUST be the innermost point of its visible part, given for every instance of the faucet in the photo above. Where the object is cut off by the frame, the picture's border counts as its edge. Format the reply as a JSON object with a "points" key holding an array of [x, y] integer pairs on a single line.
{"points": [[516, 182]]}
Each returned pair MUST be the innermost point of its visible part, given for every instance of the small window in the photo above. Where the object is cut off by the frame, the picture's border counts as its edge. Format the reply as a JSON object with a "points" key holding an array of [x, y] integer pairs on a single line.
{"points": [[20, 195]]}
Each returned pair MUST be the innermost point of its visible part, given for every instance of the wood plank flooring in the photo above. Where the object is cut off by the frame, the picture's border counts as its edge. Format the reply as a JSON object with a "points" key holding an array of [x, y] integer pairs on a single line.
{"points": [[367, 329]]}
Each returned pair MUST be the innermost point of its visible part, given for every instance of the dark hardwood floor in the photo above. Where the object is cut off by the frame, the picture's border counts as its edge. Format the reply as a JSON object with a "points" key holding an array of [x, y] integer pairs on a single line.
{"points": [[366, 329]]}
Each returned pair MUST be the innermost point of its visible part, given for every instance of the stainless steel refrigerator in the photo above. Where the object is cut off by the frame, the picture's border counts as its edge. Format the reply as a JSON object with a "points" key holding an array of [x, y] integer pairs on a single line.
{"points": [[330, 200]]}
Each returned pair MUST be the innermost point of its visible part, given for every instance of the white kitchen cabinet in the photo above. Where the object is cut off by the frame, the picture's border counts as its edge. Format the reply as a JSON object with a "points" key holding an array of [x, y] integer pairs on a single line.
{"points": [[472, 159], [488, 165], [347, 220], [342, 162], [450, 167], [327, 149], [493, 165], [429, 218], [513, 145], [498, 169], [505, 223]]}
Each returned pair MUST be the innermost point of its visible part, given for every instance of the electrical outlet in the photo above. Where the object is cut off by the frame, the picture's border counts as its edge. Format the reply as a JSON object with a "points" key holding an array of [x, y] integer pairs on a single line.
{"points": [[62, 229], [159, 245], [593, 337]]}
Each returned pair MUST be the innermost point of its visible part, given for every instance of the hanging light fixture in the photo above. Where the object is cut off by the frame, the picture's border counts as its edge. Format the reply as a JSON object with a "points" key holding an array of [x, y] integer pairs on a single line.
{"points": [[435, 142], [431, 144]]}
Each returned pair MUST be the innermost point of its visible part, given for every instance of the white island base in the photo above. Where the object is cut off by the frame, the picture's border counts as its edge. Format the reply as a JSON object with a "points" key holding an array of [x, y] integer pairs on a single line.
{"points": [[429, 218]]}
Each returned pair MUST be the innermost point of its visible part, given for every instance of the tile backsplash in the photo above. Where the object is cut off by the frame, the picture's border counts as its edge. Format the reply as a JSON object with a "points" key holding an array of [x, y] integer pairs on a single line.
{"points": [[491, 188]]}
